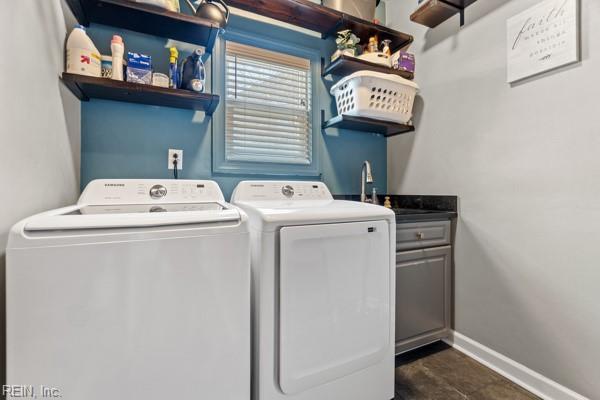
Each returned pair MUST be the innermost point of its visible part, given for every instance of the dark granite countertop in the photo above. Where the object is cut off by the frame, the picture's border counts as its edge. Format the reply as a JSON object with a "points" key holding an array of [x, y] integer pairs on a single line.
{"points": [[416, 208], [411, 215]]}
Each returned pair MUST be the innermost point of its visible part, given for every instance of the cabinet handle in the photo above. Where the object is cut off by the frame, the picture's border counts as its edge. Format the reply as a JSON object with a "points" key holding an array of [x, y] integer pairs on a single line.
{"points": [[420, 235]]}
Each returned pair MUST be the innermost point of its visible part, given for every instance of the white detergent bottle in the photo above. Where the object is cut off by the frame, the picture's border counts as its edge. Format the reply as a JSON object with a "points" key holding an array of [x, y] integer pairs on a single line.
{"points": [[83, 57], [117, 48]]}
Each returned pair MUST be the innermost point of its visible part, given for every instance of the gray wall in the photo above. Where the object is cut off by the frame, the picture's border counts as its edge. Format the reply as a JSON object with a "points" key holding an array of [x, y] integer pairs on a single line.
{"points": [[525, 161], [40, 120]]}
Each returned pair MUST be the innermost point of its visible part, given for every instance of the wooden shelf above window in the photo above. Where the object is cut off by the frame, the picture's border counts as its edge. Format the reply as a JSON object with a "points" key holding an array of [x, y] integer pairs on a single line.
{"points": [[370, 125], [88, 87], [146, 19], [346, 65], [324, 20]]}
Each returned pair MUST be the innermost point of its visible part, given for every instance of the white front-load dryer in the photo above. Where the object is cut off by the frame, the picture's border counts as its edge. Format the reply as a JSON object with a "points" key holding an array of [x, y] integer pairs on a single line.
{"points": [[140, 291], [323, 275]]}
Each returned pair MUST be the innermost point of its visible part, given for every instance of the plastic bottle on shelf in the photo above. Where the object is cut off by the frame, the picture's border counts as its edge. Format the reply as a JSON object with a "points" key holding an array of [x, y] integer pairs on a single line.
{"points": [[83, 57], [117, 48], [192, 73], [173, 68]]}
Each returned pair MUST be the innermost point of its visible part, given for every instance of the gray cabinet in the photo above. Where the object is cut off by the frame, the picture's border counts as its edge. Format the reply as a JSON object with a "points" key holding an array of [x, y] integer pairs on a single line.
{"points": [[423, 287]]}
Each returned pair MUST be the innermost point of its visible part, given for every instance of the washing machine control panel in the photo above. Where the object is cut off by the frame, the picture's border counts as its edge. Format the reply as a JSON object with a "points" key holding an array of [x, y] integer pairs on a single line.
{"points": [[150, 191], [281, 190]]}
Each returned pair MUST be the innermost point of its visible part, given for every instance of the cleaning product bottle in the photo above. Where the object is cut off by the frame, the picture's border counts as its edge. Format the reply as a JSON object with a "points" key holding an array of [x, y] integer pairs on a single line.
{"points": [[117, 48], [83, 57], [173, 68], [387, 203], [192, 72]]}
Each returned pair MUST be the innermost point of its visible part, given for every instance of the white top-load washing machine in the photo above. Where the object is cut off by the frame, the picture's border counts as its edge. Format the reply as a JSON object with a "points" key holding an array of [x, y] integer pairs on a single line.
{"points": [[323, 293], [140, 291]]}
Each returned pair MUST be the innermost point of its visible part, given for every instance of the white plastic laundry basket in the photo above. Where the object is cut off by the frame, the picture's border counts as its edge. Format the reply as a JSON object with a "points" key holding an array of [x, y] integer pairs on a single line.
{"points": [[375, 95]]}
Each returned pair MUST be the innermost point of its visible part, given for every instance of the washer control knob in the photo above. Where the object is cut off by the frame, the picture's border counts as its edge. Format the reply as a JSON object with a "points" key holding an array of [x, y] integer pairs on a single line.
{"points": [[287, 191], [158, 191]]}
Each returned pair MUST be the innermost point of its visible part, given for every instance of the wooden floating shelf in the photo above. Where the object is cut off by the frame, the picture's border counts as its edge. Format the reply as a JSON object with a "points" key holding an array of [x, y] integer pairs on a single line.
{"points": [[302, 13], [431, 13], [345, 65], [88, 87], [146, 19], [365, 29], [370, 125], [324, 20]]}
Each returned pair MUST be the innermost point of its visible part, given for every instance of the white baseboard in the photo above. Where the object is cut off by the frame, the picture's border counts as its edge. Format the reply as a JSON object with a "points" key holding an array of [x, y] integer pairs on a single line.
{"points": [[534, 382]]}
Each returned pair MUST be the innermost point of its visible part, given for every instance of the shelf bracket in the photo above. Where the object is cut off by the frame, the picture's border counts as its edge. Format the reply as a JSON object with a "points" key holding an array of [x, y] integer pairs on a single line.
{"points": [[461, 11], [75, 89]]}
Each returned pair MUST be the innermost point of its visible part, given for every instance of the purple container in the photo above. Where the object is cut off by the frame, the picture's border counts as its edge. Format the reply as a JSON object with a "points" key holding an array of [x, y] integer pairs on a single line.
{"points": [[404, 61]]}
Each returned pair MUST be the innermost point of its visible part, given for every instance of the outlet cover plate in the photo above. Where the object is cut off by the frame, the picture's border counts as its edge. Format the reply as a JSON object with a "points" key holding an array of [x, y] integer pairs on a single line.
{"points": [[171, 157]]}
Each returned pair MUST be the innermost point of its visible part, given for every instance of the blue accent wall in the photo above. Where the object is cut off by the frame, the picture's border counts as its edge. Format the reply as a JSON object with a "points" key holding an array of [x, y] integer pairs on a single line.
{"points": [[123, 140]]}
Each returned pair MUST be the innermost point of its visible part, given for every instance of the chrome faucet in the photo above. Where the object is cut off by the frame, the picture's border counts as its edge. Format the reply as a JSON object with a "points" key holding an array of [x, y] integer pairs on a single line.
{"points": [[365, 177]]}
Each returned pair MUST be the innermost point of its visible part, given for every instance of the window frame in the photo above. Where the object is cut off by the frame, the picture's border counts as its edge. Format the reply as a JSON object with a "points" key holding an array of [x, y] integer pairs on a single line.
{"points": [[220, 163]]}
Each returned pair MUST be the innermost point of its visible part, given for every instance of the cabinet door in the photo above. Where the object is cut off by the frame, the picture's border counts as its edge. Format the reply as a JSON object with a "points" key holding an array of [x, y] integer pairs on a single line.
{"points": [[423, 285]]}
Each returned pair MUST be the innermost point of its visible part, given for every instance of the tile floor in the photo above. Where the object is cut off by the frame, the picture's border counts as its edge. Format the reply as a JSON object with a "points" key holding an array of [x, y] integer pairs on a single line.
{"points": [[438, 372]]}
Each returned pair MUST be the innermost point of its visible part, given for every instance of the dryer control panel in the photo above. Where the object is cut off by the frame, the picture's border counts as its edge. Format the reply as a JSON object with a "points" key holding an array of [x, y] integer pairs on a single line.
{"points": [[150, 191], [280, 190]]}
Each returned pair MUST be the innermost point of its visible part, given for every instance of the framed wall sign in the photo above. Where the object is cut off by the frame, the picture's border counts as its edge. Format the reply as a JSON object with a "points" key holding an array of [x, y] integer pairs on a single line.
{"points": [[542, 38]]}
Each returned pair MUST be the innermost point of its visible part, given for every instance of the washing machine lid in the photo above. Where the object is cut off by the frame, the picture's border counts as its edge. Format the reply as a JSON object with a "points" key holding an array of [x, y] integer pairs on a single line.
{"points": [[131, 203], [272, 204], [131, 216]]}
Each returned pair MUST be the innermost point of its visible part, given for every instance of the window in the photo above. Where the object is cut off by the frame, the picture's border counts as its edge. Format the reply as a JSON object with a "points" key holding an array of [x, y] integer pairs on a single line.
{"points": [[268, 106]]}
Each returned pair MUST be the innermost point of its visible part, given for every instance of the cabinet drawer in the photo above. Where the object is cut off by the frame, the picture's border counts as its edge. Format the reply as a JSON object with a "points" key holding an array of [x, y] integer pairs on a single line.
{"points": [[422, 234]]}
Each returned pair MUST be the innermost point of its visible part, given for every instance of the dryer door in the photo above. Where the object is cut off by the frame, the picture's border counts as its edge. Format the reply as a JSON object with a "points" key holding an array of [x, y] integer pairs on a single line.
{"points": [[334, 301]]}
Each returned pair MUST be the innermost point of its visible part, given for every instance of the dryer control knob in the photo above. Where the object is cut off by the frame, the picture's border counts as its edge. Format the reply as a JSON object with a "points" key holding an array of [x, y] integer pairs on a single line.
{"points": [[158, 191]]}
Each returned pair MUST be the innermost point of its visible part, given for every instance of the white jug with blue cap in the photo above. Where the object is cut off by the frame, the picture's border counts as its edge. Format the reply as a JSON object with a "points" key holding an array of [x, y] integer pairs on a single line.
{"points": [[83, 57]]}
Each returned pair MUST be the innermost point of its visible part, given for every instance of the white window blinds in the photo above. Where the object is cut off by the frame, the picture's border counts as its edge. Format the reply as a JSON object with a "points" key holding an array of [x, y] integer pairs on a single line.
{"points": [[268, 106]]}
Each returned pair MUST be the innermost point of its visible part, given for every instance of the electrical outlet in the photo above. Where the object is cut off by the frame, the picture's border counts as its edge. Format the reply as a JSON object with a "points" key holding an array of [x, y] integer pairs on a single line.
{"points": [[175, 154]]}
